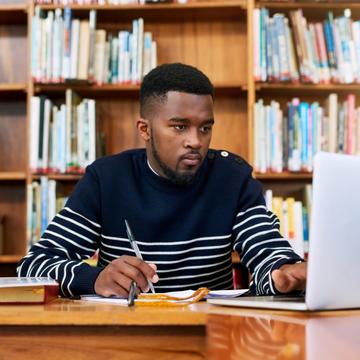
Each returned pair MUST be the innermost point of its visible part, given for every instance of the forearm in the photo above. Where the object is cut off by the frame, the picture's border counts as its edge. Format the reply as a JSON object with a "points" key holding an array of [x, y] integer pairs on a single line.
{"points": [[74, 276], [261, 247], [69, 239]]}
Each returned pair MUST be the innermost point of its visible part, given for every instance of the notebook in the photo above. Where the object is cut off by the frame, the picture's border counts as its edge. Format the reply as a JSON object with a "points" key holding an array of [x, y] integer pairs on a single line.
{"points": [[334, 244], [185, 297]]}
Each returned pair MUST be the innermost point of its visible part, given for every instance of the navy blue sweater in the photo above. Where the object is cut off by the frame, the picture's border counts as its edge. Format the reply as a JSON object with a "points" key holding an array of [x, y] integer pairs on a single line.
{"points": [[189, 231]]}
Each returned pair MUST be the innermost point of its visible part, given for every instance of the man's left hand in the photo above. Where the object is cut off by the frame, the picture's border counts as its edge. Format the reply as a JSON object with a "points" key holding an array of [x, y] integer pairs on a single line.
{"points": [[290, 277]]}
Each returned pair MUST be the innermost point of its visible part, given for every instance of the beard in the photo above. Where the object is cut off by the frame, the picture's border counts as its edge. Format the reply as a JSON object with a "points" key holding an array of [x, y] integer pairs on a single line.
{"points": [[176, 177]]}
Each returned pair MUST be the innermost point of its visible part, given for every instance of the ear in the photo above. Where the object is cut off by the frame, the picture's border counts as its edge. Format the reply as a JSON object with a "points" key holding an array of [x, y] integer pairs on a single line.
{"points": [[143, 127]]}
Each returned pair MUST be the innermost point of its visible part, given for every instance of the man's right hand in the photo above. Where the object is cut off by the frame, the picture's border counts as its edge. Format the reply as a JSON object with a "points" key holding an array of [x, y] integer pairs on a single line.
{"points": [[116, 278]]}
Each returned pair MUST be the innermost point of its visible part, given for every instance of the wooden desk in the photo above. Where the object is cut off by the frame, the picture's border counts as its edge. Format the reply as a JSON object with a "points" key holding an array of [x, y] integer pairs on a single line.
{"points": [[264, 335], [75, 330]]}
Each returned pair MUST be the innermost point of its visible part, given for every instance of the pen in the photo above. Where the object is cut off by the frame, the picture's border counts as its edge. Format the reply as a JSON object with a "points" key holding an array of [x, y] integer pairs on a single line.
{"points": [[136, 250], [132, 294]]}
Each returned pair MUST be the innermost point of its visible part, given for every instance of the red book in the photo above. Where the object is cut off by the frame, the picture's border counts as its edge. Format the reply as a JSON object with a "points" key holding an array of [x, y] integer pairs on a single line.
{"points": [[27, 290]]}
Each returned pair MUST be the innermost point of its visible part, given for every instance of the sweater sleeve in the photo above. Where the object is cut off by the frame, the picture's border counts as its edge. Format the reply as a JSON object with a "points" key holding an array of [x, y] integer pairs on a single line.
{"points": [[258, 241], [72, 236]]}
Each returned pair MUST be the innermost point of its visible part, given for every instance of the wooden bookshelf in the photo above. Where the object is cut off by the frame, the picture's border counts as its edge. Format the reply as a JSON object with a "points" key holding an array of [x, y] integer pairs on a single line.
{"points": [[12, 176], [199, 10], [13, 112], [284, 176], [299, 88], [205, 5], [13, 13], [10, 259], [312, 5], [121, 89], [215, 36], [58, 177], [12, 88], [195, 4]]}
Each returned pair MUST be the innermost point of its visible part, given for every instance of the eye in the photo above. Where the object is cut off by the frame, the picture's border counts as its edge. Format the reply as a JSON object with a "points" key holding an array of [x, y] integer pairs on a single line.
{"points": [[179, 127], [206, 128]]}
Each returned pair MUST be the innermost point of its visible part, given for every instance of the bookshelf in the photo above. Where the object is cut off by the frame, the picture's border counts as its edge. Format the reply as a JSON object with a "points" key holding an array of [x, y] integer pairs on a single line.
{"points": [[13, 113], [214, 35]]}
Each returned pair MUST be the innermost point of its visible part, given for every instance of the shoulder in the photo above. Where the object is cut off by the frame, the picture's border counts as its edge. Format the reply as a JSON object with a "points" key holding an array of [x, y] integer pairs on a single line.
{"points": [[112, 162], [228, 162]]}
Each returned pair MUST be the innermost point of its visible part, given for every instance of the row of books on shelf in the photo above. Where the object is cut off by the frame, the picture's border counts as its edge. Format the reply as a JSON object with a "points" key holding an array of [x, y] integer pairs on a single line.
{"points": [[64, 48], [291, 49], [63, 138], [44, 201], [106, 2], [289, 139], [294, 217]]}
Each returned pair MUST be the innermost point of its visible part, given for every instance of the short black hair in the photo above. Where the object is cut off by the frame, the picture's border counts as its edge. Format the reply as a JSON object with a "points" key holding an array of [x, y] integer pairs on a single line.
{"points": [[172, 77]]}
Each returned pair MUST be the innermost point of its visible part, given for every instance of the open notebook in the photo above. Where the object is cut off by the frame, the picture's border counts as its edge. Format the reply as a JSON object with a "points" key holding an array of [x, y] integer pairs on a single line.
{"points": [[175, 298]]}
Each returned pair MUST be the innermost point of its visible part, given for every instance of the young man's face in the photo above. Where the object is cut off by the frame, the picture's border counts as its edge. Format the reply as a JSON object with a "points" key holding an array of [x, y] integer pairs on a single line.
{"points": [[179, 135]]}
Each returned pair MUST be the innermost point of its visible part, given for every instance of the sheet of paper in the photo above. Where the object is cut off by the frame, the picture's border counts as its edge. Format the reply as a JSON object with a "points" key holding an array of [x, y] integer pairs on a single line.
{"points": [[179, 294], [105, 300], [121, 301], [226, 293]]}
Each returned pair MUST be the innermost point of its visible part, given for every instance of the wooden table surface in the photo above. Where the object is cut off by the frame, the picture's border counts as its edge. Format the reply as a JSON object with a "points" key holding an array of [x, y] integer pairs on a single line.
{"points": [[67, 329], [76, 312]]}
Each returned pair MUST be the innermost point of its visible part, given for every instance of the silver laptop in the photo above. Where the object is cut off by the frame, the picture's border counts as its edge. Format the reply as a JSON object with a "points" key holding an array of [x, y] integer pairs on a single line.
{"points": [[333, 276]]}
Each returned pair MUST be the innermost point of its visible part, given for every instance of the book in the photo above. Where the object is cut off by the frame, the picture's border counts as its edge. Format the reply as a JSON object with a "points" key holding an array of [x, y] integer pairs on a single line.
{"points": [[27, 290]]}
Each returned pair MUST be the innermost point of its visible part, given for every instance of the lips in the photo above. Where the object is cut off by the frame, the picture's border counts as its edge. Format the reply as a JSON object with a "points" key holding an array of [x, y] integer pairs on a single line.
{"points": [[191, 159]]}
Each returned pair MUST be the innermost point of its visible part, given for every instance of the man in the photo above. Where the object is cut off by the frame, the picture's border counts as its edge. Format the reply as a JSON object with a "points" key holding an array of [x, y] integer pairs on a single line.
{"points": [[188, 208]]}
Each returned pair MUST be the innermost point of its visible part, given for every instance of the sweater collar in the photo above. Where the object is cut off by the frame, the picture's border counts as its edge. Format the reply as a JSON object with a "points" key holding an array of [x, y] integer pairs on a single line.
{"points": [[148, 162]]}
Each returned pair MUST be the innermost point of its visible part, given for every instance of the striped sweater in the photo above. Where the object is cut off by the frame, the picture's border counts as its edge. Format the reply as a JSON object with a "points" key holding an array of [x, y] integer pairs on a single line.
{"points": [[188, 231]]}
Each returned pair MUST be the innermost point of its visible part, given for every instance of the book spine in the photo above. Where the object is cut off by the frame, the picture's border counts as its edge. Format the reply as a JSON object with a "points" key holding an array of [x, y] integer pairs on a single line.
{"points": [[92, 42], [67, 43]]}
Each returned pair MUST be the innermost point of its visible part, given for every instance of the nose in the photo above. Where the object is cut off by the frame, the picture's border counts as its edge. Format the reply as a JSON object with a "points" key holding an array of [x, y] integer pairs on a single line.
{"points": [[192, 139]]}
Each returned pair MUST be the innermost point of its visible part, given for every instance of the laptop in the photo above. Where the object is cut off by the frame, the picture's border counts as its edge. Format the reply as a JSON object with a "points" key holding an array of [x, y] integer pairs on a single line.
{"points": [[334, 245]]}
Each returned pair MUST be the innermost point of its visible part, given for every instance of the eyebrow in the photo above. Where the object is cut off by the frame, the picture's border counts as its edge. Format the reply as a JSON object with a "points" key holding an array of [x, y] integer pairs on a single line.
{"points": [[186, 121]]}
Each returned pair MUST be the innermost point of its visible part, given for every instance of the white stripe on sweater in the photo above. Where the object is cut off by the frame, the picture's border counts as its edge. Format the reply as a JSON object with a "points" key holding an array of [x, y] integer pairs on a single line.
{"points": [[76, 223], [193, 267], [68, 240], [169, 242], [269, 256], [242, 232], [82, 216], [190, 285], [260, 233], [197, 275], [73, 232], [28, 274], [72, 278], [257, 216], [251, 209]]}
